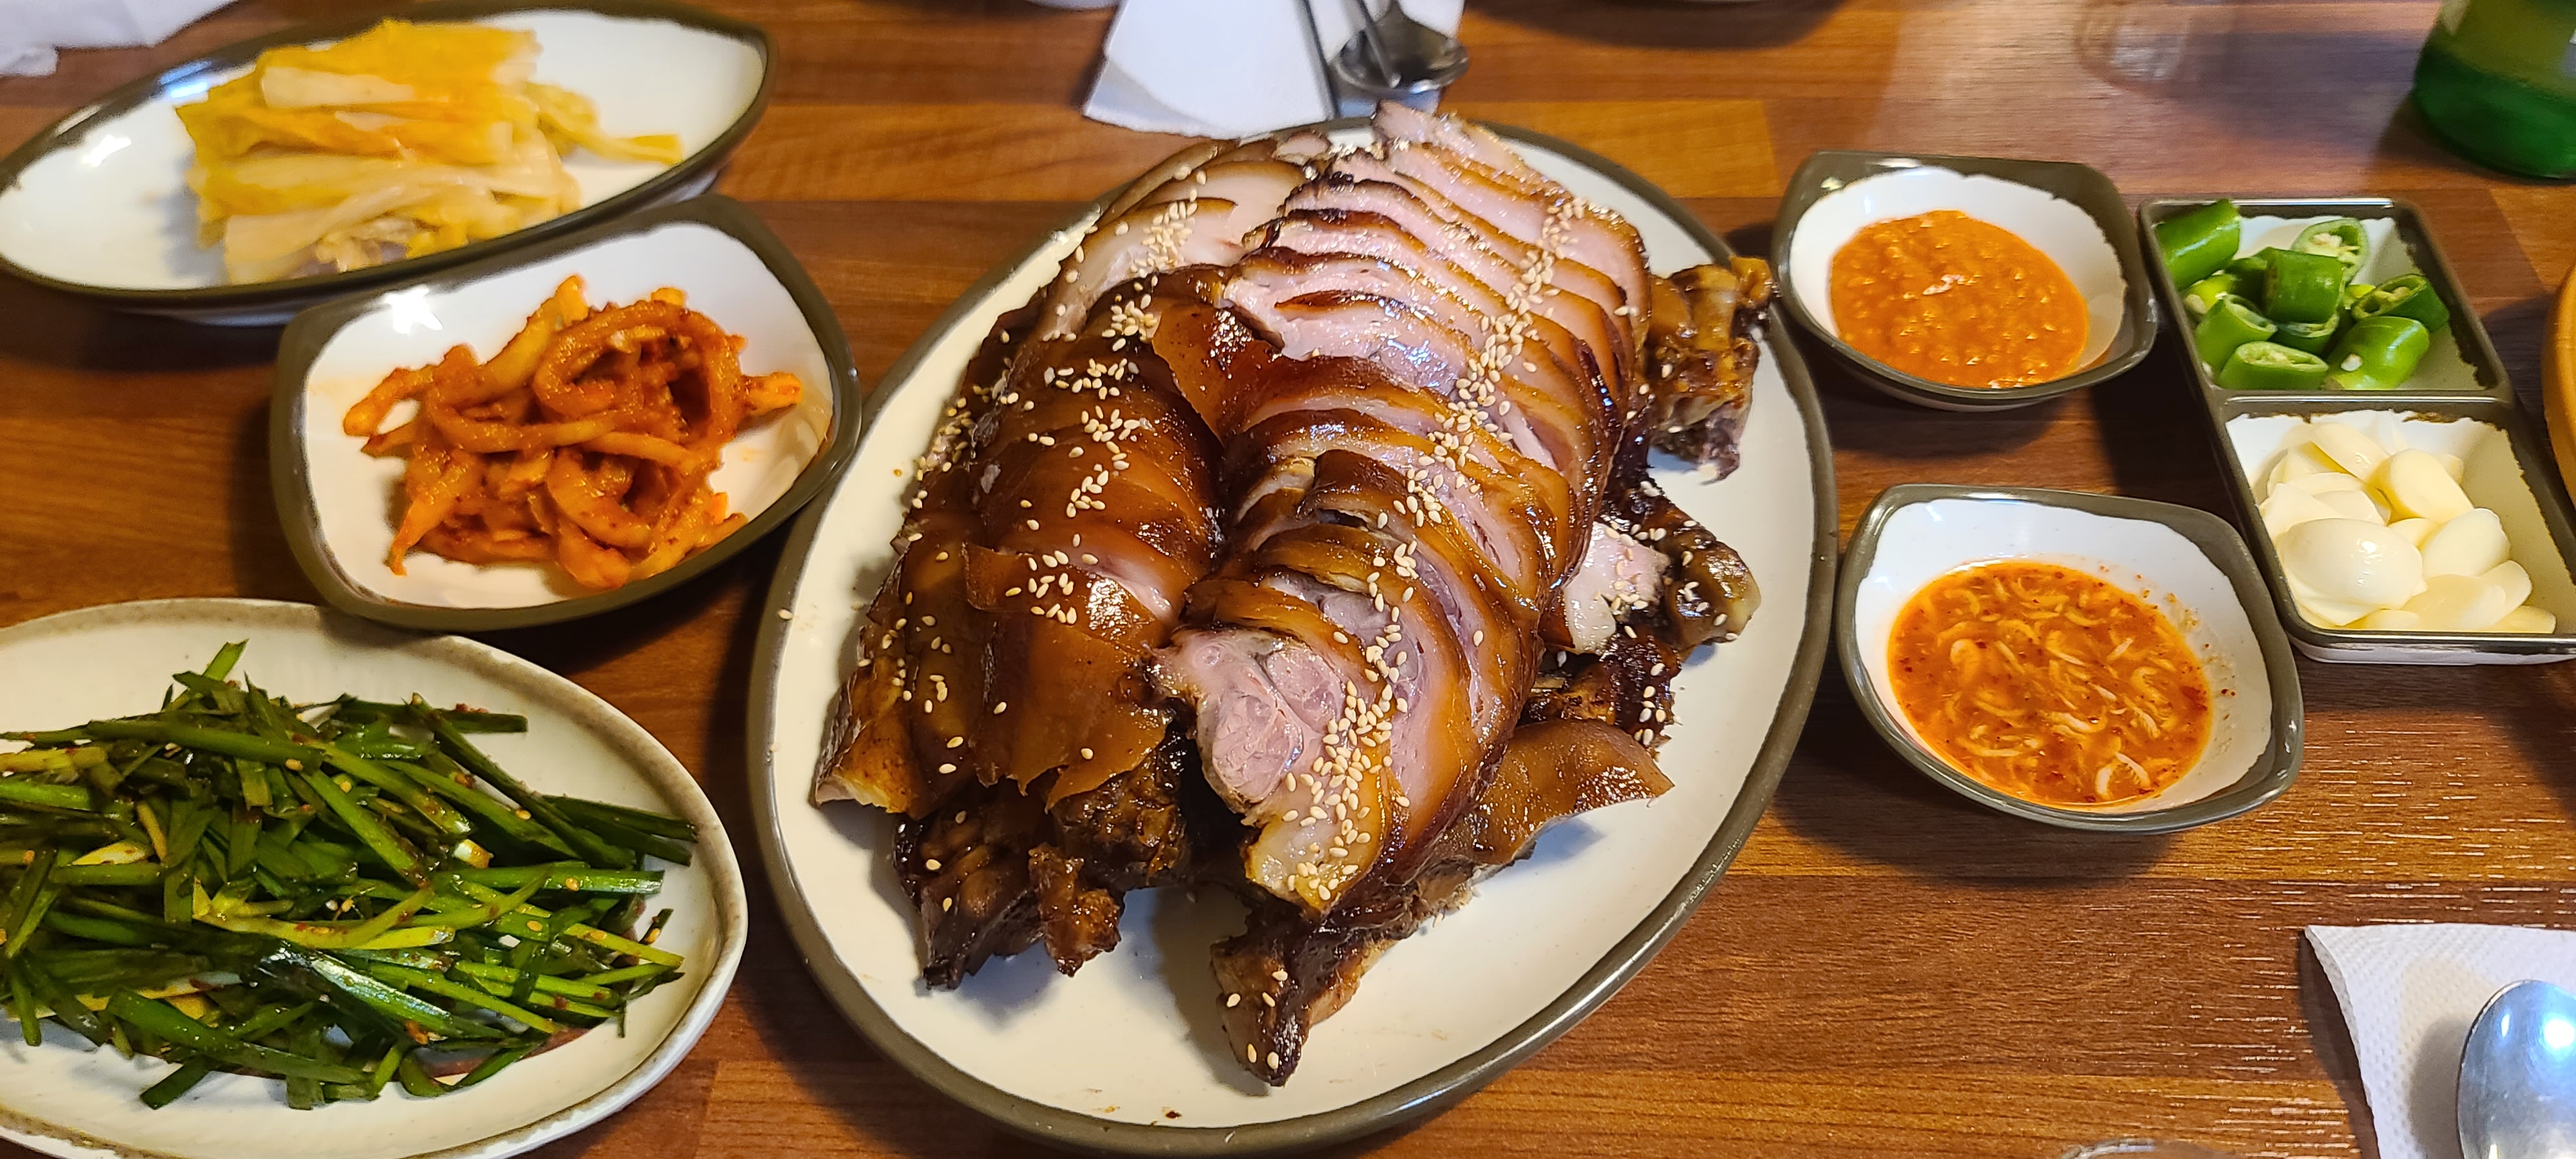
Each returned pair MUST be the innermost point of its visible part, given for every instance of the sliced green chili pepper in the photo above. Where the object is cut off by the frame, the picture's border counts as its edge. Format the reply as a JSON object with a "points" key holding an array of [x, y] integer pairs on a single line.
{"points": [[2205, 293], [2271, 366], [2197, 243], [2230, 323], [2304, 287], [2406, 296], [2378, 353], [2313, 337], [2354, 292], [2340, 238]]}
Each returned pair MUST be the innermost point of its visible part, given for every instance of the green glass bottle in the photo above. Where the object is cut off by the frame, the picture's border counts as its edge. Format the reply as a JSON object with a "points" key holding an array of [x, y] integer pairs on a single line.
{"points": [[2498, 81]]}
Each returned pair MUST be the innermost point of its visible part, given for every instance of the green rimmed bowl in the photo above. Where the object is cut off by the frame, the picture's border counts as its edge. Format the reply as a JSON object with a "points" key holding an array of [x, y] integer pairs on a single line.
{"points": [[2187, 563], [2070, 212]]}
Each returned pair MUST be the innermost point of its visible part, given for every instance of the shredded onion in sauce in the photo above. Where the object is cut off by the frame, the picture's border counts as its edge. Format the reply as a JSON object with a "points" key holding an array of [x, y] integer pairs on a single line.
{"points": [[2104, 703]]}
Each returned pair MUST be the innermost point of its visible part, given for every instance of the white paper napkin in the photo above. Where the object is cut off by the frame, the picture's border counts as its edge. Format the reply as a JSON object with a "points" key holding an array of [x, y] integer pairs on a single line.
{"points": [[1230, 68], [30, 30], [2409, 994]]}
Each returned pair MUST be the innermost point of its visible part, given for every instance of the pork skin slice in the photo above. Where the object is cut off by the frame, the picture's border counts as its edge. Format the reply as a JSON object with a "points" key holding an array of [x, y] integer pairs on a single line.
{"points": [[1702, 348], [1285, 972], [1000, 703]]}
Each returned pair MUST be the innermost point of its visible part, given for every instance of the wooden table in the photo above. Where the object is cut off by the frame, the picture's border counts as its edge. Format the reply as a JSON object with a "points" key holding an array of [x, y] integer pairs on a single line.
{"points": [[1887, 971]]}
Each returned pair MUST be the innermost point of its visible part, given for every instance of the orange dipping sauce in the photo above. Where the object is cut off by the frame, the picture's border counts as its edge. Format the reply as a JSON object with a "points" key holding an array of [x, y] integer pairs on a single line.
{"points": [[2049, 684], [1950, 298]]}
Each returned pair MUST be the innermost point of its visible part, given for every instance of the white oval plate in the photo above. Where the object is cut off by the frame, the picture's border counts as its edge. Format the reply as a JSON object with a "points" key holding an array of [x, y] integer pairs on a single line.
{"points": [[1127, 1055], [67, 1098], [340, 505], [103, 204]]}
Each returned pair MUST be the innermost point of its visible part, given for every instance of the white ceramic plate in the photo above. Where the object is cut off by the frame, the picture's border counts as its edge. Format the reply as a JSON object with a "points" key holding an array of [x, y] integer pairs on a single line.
{"points": [[104, 205], [353, 500], [69, 1099], [2443, 367], [1127, 1055], [2051, 224]]}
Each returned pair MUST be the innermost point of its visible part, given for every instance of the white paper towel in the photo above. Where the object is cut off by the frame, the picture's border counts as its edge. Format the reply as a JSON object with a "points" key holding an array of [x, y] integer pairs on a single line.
{"points": [[1230, 68], [30, 30], [2409, 994]]}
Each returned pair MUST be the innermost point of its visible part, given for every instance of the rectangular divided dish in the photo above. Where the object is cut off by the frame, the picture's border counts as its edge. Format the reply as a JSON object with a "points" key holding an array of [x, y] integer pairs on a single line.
{"points": [[2461, 380]]}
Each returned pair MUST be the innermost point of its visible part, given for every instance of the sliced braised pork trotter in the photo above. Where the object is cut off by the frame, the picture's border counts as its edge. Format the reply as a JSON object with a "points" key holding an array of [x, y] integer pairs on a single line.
{"points": [[1284, 973], [1298, 538], [1064, 508], [1708, 595], [966, 867], [1129, 833], [1700, 347]]}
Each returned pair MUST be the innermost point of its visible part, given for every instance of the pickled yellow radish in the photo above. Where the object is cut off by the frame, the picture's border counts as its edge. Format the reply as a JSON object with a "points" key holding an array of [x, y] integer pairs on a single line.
{"points": [[2353, 561], [2468, 545], [2455, 465], [2416, 530], [2289, 507], [2528, 620], [2415, 483], [2460, 603], [2356, 453]]}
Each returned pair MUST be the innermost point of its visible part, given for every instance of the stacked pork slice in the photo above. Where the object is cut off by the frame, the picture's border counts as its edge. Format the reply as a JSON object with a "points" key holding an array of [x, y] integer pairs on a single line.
{"points": [[1065, 506], [1378, 569]]}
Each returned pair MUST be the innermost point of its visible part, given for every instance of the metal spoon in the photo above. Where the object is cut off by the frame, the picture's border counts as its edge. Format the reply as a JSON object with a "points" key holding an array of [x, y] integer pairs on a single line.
{"points": [[1395, 55], [2518, 1076]]}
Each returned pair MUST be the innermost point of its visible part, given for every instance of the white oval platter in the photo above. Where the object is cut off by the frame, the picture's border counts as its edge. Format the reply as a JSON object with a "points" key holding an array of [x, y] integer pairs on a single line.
{"points": [[1127, 1055]]}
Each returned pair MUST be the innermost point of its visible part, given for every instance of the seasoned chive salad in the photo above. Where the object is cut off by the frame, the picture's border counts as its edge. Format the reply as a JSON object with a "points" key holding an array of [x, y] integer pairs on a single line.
{"points": [[321, 893]]}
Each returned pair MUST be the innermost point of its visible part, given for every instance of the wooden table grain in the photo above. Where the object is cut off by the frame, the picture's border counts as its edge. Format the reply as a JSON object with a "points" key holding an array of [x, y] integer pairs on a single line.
{"points": [[1887, 971]]}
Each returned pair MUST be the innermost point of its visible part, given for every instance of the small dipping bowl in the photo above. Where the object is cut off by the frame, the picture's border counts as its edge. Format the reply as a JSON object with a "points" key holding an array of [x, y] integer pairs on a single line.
{"points": [[2188, 564], [2070, 212]]}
